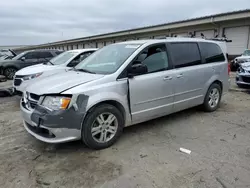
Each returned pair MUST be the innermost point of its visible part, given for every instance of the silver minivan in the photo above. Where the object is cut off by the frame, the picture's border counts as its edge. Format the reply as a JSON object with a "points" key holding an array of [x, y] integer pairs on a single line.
{"points": [[124, 84]]}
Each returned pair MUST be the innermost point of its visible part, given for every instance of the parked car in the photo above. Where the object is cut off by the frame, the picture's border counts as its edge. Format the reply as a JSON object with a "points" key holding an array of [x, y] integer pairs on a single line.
{"points": [[243, 75], [60, 63], [124, 84], [9, 67], [245, 57]]}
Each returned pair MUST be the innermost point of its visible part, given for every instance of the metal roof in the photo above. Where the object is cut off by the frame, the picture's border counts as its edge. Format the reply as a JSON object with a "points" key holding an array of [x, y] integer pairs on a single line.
{"points": [[140, 29]]}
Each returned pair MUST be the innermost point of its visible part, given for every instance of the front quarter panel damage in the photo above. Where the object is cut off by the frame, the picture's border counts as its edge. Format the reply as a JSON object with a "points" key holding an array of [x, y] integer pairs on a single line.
{"points": [[70, 118]]}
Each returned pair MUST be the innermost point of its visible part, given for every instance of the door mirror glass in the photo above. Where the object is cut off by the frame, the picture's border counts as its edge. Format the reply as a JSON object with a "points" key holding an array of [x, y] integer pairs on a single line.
{"points": [[23, 58], [137, 69]]}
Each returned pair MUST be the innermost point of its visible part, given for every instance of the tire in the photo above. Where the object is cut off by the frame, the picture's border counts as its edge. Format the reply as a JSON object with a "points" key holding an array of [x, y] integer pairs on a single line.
{"points": [[207, 105], [95, 125], [9, 72]]}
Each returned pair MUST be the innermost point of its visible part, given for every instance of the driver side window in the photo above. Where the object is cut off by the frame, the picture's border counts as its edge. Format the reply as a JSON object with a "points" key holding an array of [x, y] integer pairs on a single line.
{"points": [[155, 58]]}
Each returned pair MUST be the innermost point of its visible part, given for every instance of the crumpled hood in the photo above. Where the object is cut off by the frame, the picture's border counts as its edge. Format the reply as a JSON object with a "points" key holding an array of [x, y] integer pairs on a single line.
{"points": [[60, 82], [37, 69], [246, 66]]}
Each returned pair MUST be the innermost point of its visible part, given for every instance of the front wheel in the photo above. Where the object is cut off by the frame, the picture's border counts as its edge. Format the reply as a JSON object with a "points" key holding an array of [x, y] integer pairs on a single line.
{"points": [[212, 98], [10, 72], [102, 126]]}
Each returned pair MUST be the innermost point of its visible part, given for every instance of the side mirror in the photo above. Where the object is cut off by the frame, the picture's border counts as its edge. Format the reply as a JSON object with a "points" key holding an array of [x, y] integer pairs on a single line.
{"points": [[23, 59], [137, 69]]}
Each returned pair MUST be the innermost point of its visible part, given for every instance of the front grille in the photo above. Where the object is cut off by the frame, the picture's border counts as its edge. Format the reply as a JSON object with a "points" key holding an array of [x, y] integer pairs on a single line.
{"points": [[246, 79], [17, 82], [34, 97], [30, 100], [32, 104]]}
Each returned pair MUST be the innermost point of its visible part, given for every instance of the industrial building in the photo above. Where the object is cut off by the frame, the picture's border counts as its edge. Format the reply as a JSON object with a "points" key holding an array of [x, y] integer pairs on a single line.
{"points": [[233, 25]]}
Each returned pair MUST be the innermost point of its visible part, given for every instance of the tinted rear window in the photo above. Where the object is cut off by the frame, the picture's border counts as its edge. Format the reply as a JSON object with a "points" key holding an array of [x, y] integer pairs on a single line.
{"points": [[211, 52], [185, 54]]}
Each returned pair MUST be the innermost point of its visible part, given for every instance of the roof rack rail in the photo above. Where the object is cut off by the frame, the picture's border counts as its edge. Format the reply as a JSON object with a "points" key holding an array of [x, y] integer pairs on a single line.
{"points": [[222, 39]]}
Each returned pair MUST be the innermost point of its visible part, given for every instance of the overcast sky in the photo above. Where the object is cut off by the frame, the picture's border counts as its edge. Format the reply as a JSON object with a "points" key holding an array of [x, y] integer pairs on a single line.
{"points": [[41, 21]]}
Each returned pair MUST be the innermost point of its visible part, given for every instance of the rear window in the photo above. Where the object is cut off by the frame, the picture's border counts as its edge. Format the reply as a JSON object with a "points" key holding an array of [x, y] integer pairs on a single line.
{"points": [[211, 52], [185, 54]]}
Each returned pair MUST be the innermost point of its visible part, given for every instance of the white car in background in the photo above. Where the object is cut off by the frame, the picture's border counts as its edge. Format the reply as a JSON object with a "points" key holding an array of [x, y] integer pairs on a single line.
{"points": [[245, 57], [60, 63]]}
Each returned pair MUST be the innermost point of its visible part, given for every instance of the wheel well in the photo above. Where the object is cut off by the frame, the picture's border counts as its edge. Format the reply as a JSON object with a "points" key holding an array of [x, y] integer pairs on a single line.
{"points": [[219, 83], [4, 68], [113, 103]]}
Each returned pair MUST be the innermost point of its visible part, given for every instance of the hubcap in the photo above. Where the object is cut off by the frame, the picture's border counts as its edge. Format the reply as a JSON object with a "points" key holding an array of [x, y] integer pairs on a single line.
{"points": [[10, 72], [214, 97], [104, 127]]}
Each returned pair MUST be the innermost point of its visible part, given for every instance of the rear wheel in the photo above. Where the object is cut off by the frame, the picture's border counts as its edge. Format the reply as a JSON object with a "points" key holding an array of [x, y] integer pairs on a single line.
{"points": [[102, 126], [212, 98], [10, 72]]}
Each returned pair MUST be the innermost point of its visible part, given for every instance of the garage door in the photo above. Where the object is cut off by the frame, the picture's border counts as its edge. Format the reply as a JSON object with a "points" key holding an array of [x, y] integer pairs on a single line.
{"points": [[160, 37], [207, 33], [117, 41], [143, 38], [100, 45], [239, 37], [180, 34], [109, 42]]}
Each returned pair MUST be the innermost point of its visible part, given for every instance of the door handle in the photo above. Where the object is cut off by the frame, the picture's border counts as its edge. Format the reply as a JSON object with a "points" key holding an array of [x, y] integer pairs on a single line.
{"points": [[179, 76], [168, 78]]}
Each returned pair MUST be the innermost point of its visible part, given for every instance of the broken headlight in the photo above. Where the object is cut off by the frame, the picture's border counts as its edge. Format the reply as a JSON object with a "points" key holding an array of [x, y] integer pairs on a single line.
{"points": [[56, 102]]}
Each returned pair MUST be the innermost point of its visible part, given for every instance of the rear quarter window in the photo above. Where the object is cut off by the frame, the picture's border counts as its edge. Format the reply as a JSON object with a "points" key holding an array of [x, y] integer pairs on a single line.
{"points": [[211, 52]]}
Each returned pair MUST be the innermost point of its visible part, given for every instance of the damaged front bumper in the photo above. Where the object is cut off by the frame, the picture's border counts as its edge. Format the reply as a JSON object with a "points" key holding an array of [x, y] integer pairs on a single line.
{"points": [[243, 79], [51, 127]]}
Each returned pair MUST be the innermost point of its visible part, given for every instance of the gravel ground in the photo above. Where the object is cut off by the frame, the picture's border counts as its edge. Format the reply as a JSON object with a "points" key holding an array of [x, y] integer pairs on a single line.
{"points": [[146, 156]]}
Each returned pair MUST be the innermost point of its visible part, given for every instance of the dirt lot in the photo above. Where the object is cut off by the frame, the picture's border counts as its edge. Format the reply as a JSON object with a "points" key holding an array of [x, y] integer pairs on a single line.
{"points": [[147, 155]]}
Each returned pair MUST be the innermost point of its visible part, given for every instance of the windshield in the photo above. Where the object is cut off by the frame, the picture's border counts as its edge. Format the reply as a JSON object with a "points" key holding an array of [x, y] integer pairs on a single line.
{"points": [[63, 58], [19, 56], [246, 53], [108, 59]]}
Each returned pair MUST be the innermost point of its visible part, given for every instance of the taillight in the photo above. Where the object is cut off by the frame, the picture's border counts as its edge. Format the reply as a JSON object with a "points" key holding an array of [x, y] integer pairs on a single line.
{"points": [[228, 68]]}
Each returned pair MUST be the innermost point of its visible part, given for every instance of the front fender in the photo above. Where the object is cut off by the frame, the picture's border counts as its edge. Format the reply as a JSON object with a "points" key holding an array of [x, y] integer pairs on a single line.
{"points": [[110, 96]]}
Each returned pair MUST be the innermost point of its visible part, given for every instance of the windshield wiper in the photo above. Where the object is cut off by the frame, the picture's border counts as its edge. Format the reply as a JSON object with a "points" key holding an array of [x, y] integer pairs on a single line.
{"points": [[84, 70]]}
